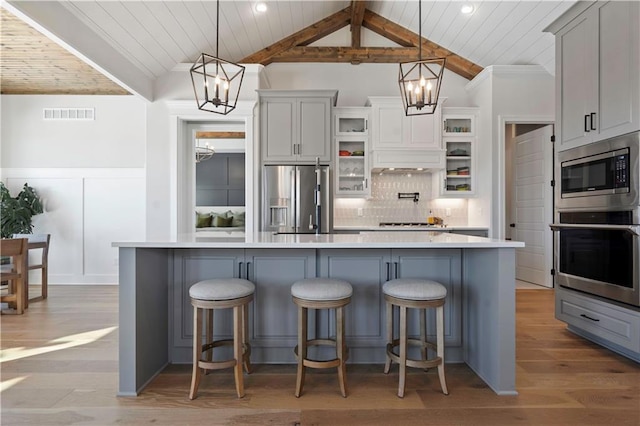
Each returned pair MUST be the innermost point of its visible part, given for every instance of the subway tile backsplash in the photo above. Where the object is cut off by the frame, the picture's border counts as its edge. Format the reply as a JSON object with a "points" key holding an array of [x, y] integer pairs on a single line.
{"points": [[384, 205]]}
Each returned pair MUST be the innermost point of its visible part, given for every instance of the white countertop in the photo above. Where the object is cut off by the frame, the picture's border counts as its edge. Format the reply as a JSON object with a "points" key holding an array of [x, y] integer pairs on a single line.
{"points": [[364, 240], [436, 228]]}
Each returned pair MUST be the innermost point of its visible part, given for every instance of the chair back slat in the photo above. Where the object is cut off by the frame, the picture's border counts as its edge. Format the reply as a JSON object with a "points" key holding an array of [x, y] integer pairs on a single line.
{"points": [[13, 247]]}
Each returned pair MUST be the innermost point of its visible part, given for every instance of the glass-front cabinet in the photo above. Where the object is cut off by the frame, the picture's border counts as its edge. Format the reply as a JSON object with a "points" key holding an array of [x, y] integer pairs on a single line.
{"points": [[459, 140], [352, 167], [352, 152], [351, 121]]}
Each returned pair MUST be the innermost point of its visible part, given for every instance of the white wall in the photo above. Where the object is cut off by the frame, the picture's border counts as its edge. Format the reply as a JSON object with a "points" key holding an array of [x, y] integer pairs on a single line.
{"points": [[504, 91], [89, 174]]}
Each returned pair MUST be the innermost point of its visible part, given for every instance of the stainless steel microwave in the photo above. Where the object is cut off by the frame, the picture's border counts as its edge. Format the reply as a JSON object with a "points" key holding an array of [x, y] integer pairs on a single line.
{"points": [[603, 174]]}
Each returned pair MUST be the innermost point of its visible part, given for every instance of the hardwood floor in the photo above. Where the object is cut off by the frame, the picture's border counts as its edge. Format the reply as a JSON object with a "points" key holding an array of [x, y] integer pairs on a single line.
{"points": [[59, 365]]}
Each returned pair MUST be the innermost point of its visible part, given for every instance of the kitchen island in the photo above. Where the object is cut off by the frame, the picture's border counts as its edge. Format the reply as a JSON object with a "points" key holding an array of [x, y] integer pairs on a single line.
{"points": [[155, 314]]}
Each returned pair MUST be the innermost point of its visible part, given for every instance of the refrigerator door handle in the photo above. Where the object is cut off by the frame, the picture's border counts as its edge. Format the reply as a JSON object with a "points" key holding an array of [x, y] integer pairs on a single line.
{"points": [[298, 224]]}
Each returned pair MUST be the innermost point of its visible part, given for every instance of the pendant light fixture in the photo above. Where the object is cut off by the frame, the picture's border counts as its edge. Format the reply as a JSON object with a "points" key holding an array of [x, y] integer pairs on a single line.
{"points": [[420, 81], [216, 82]]}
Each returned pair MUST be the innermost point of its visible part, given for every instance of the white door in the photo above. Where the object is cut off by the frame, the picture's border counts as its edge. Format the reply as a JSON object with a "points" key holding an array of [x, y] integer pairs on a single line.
{"points": [[533, 197]]}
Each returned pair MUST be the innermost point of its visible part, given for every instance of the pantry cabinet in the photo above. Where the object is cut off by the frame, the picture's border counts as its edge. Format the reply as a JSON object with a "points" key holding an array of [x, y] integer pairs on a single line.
{"points": [[459, 140], [295, 126], [598, 70]]}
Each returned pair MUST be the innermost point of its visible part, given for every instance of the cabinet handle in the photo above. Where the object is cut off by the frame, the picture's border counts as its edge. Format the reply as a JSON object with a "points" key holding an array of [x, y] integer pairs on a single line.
{"points": [[395, 267], [366, 124], [388, 271], [366, 183], [586, 126], [240, 269], [247, 274], [589, 318], [592, 120], [295, 148]]}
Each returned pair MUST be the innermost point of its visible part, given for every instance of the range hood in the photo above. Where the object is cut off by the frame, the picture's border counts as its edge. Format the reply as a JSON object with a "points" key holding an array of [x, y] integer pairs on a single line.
{"points": [[403, 161], [401, 170]]}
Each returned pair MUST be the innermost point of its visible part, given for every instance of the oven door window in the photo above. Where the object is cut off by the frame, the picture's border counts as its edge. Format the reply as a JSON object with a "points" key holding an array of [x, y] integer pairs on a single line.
{"points": [[600, 255]]}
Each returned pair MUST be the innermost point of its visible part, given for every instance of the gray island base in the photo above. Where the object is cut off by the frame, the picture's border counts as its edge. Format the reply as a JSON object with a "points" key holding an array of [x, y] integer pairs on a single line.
{"points": [[155, 315]]}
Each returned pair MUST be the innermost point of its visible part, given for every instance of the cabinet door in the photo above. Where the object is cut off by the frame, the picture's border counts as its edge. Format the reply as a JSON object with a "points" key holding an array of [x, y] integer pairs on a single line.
{"points": [[445, 267], [276, 317], [367, 271], [279, 129], [191, 266], [352, 173], [388, 126], [314, 116], [576, 68], [423, 131], [619, 66]]}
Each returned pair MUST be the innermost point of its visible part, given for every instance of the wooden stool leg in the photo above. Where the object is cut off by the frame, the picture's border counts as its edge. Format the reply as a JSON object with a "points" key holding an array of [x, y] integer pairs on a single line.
{"points": [[237, 349], [423, 333], [302, 348], [245, 338], [403, 350], [387, 364], [440, 350], [209, 333], [341, 350], [197, 350]]}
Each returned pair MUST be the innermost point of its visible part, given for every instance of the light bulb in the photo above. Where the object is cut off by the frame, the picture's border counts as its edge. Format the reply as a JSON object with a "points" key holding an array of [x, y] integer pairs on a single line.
{"points": [[261, 7], [429, 86], [409, 86], [217, 80], [226, 85], [422, 81], [417, 90], [467, 9]]}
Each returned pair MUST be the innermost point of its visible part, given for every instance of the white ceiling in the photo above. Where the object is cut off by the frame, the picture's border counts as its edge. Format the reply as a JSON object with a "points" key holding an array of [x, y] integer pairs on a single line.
{"points": [[155, 36]]}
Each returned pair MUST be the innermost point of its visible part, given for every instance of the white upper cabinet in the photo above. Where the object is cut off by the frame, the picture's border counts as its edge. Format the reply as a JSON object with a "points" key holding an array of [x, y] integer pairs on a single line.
{"points": [[352, 152], [598, 71], [295, 126], [459, 141], [393, 130], [401, 141]]}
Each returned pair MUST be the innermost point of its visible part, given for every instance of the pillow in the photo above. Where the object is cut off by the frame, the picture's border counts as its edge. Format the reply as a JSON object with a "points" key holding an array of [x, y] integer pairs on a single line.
{"points": [[203, 220], [221, 222], [237, 219]]}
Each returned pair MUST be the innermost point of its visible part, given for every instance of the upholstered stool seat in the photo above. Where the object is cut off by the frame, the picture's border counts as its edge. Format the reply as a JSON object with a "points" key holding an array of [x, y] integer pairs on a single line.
{"points": [[321, 293], [417, 294], [220, 293]]}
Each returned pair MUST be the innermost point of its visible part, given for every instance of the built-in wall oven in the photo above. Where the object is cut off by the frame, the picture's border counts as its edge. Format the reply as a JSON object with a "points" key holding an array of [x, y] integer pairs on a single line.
{"points": [[597, 219]]}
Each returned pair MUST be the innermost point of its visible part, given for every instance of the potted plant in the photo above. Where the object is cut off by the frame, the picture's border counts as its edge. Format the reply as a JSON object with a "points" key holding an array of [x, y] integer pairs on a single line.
{"points": [[16, 213]]}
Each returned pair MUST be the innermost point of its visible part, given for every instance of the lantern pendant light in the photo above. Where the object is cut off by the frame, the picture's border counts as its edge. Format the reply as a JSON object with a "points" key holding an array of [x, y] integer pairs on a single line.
{"points": [[420, 80], [216, 82]]}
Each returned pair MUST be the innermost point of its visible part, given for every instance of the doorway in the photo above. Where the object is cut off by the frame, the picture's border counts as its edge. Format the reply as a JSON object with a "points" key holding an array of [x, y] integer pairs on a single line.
{"points": [[528, 206]]}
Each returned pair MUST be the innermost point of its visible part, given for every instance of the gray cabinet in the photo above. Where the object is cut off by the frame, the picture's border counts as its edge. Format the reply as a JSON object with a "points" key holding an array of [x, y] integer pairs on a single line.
{"points": [[598, 69], [272, 315], [368, 269], [608, 324], [295, 126], [273, 272]]}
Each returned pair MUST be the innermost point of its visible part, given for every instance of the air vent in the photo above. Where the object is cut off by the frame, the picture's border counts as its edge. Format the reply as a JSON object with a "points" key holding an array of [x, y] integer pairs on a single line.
{"points": [[69, 113]]}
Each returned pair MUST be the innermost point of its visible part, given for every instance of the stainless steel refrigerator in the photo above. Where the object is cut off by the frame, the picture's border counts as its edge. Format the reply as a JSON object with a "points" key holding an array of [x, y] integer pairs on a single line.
{"points": [[297, 199]]}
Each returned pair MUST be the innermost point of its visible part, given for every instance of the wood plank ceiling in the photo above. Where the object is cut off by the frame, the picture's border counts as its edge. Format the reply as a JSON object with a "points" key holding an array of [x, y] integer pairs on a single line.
{"points": [[33, 64], [155, 36]]}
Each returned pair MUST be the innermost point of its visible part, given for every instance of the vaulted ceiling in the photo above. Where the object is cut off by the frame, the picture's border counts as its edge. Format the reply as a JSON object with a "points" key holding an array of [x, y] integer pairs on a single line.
{"points": [[134, 42]]}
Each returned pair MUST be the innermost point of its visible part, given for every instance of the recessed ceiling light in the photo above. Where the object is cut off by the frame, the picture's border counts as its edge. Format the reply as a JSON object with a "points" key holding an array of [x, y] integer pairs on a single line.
{"points": [[467, 9], [260, 7]]}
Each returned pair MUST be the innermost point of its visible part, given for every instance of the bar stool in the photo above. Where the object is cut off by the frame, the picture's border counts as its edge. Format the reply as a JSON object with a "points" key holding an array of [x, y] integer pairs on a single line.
{"points": [[417, 294], [221, 293], [321, 293]]}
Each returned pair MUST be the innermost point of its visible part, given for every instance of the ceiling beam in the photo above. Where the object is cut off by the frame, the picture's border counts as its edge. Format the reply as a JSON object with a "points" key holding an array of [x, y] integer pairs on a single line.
{"points": [[220, 135], [357, 55], [357, 15], [405, 37], [303, 37]]}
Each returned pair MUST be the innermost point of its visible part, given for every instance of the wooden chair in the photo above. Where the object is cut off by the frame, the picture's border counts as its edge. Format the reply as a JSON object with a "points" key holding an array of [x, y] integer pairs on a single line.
{"points": [[38, 241], [14, 273]]}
